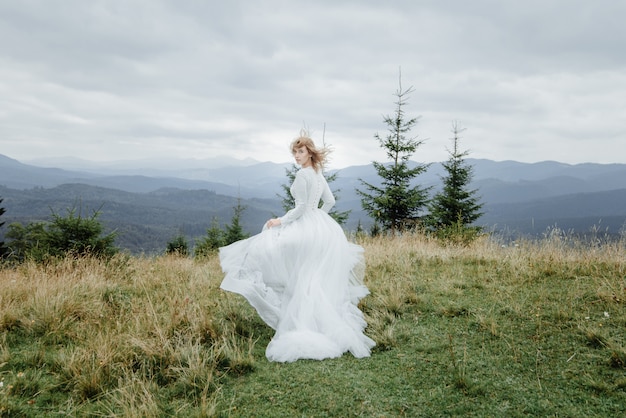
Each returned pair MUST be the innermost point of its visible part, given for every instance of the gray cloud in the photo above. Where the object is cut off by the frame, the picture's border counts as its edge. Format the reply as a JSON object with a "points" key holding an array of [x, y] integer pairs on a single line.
{"points": [[530, 80]]}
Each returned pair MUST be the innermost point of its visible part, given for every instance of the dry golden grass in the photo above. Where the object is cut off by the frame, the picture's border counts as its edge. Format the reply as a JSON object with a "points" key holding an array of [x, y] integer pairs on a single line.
{"points": [[119, 330], [137, 336]]}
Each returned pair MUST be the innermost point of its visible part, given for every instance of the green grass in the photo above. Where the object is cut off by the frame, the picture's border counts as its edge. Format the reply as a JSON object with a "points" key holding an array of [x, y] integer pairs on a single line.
{"points": [[537, 329]]}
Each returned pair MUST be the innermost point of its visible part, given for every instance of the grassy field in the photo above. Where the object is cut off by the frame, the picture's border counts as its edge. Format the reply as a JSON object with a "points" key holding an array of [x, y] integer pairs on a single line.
{"points": [[533, 329]]}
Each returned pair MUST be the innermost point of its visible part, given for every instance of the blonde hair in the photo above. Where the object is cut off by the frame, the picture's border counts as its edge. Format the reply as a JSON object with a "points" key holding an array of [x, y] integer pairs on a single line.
{"points": [[318, 155]]}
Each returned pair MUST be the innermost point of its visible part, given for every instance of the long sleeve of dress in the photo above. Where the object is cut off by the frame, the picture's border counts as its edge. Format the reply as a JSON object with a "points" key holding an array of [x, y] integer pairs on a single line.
{"points": [[299, 191], [327, 198]]}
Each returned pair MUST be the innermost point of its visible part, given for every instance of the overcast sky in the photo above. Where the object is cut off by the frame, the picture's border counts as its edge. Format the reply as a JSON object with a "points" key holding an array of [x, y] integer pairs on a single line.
{"points": [[529, 80]]}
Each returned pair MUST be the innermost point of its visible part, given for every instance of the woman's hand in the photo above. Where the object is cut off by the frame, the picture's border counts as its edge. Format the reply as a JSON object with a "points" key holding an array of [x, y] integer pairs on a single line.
{"points": [[273, 222]]}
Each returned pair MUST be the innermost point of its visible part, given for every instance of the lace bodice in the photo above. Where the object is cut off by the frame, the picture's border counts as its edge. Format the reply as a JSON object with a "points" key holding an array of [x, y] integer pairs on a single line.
{"points": [[308, 188]]}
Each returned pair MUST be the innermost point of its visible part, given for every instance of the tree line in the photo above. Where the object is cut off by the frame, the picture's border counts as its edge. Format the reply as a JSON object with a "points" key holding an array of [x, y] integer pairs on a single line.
{"points": [[72, 234], [76, 234]]}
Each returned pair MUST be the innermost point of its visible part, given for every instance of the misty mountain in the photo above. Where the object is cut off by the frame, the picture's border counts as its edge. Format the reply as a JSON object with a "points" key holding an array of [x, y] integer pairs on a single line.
{"points": [[16, 175], [237, 180], [581, 213], [159, 167], [498, 181], [159, 199]]}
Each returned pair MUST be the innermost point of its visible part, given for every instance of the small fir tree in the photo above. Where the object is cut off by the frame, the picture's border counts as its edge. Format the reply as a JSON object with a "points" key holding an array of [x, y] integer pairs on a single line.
{"points": [[178, 246], [213, 240], [359, 229], [455, 206], [73, 234], [28, 241], [79, 235], [234, 231], [395, 204], [76, 234]]}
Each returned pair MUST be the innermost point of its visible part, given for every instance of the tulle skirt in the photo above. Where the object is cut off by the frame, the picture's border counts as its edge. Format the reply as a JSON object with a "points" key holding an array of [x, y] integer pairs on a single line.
{"points": [[305, 280]]}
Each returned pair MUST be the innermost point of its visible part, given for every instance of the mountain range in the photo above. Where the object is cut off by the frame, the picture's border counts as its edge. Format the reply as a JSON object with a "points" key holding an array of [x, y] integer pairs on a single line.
{"points": [[149, 201]]}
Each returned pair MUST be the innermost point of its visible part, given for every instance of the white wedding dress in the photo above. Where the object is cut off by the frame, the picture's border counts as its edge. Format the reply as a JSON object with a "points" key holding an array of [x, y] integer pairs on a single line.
{"points": [[304, 278]]}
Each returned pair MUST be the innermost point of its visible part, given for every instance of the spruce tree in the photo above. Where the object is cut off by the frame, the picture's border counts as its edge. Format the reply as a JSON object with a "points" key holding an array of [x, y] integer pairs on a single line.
{"points": [[178, 246], [396, 205], [212, 241], [79, 235], [455, 205], [234, 231], [74, 235]]}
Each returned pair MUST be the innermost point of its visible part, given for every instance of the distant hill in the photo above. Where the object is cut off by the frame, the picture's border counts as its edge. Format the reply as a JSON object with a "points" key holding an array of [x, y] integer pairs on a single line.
{"points": [[501, 181], [148, 202], [16, 175], [581, 213]]}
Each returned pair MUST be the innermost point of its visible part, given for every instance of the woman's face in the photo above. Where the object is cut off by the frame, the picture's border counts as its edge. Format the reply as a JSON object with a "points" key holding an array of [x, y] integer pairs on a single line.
{"points": [[302, 156]]}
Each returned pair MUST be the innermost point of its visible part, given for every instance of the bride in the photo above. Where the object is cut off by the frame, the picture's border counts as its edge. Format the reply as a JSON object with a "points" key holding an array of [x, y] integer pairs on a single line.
{"points": [[301, 274]]}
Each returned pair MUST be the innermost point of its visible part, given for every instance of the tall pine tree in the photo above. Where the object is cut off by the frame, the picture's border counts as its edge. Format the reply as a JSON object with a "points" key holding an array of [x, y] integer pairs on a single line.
{"points": [[455, 205], [395, 204]]}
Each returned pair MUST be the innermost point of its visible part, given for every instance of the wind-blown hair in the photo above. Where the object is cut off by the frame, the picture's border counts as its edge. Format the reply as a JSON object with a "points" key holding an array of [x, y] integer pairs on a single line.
{"points": [[318, 155]]}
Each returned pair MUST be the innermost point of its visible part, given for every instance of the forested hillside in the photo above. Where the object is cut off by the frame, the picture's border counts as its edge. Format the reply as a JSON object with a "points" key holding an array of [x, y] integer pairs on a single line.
{"points": [[148, 206], [144, 222]]}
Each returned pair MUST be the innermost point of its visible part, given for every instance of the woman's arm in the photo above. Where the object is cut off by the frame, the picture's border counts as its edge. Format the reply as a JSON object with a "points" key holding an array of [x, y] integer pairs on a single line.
{"points": [[299, 191], [327, 198]]}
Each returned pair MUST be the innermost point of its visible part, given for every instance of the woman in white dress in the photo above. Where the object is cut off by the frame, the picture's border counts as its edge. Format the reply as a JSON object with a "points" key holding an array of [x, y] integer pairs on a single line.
{"points": [[301, 274]]}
